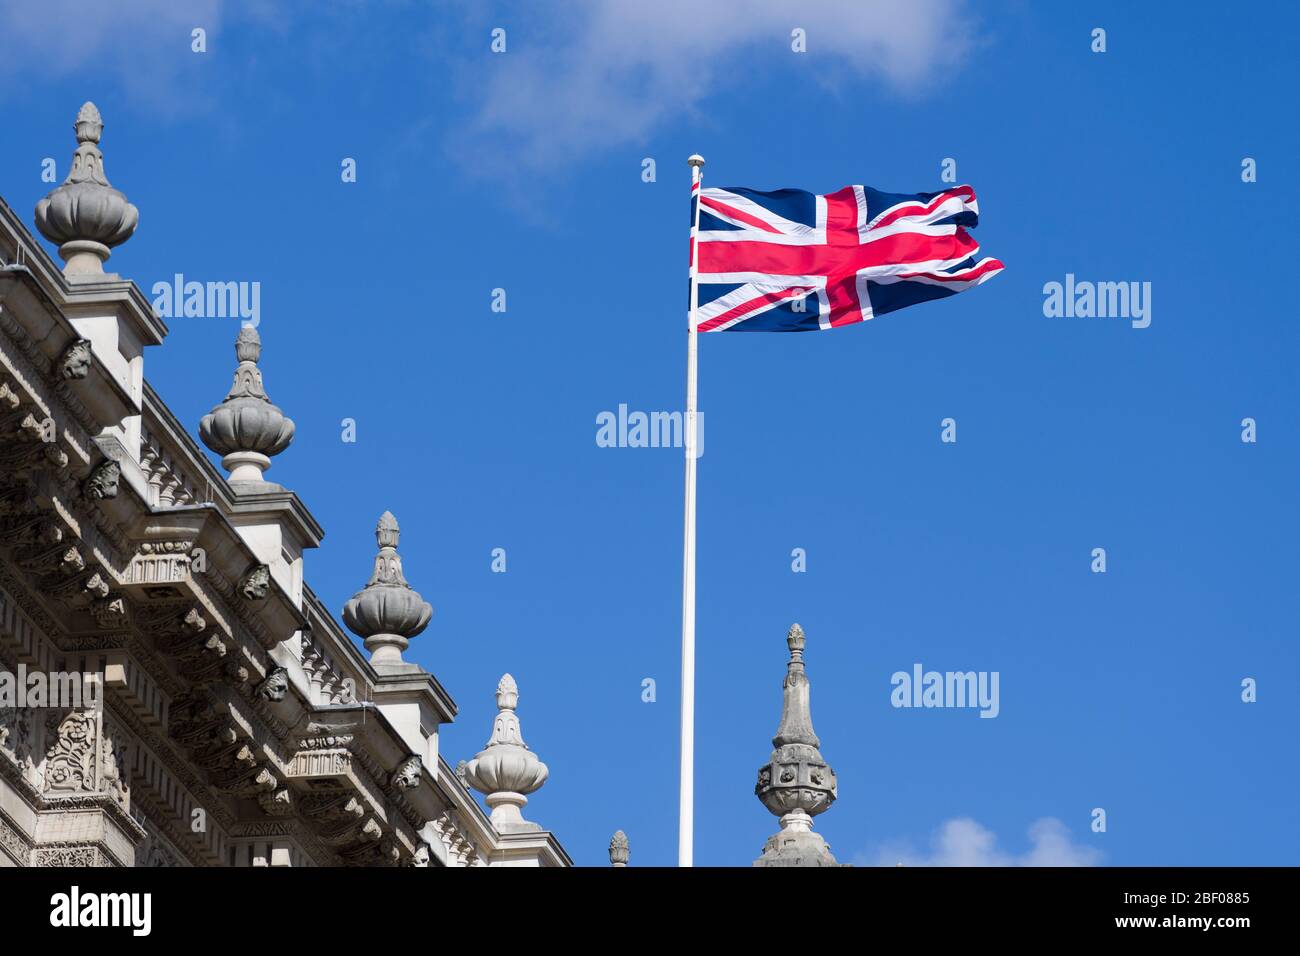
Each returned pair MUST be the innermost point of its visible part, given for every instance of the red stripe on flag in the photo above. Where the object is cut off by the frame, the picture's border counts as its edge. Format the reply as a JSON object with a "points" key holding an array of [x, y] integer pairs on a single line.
{"points": [[833, 261], [842, 217], [734, 213], [843, 298]]}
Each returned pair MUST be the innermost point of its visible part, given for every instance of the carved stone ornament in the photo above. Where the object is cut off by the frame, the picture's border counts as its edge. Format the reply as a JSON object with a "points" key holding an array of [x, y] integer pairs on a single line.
{"points": [[109, 612], [796, 784], [86, 216], [618, 849], [75, 361], [275, 687], [246, 429], [103, 480], [256, 583], [17, 736], [70, 756], [71, 857], [113, 770], [407, 775], [277, 803], [505, 770], [387, 612]]}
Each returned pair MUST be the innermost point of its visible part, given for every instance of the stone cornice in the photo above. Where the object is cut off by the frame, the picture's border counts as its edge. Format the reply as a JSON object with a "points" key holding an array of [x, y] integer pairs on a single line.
{"points": [[167, 752], [160, 422], [47, 341], [271, 619], [14, 841], [102, 569], [374, 752], [123, 293], [466, 812], [293, 514], [394, 687], [348, 658], [336, 641], [540, 846]]}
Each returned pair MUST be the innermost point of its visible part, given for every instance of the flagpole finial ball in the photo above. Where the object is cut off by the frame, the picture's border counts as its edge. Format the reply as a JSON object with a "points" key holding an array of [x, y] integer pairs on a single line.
{"points": [[695, 160]]}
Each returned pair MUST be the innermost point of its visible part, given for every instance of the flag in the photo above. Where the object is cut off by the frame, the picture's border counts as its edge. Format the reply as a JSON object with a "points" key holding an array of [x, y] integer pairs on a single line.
{"points": [[794, 261]]}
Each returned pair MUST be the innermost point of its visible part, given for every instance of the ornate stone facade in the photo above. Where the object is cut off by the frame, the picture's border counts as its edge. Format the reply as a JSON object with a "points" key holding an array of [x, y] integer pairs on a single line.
{"points": [[235, 724], [505, 771]]}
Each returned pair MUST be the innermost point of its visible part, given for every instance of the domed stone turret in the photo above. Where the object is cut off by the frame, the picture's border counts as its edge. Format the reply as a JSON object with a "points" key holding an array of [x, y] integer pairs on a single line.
{"points": [[506, 770], [86, 216], [246, 429], [387, 612]]}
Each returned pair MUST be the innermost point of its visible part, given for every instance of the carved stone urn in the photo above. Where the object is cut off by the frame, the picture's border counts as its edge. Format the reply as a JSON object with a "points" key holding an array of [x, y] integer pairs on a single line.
{"points": [[505, 770], [387, 612], [246, 429], [86, 216]]}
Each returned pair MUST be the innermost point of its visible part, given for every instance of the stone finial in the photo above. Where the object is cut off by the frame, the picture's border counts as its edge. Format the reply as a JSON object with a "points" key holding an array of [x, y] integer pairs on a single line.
{"points": [[86, 216], [387, 533], [246, 429], [796, 783], [618, 849], [505, 770], [387, 612]]}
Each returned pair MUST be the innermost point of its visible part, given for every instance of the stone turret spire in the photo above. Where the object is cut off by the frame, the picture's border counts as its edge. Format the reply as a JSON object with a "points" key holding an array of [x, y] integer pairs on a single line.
{"points": [[796, 784], [506, 770], [246, 429], [86, 216], [387, 612]]}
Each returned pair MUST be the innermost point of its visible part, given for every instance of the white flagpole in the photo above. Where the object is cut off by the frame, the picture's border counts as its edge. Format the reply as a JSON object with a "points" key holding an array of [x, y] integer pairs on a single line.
{"points": [[686, 820]]}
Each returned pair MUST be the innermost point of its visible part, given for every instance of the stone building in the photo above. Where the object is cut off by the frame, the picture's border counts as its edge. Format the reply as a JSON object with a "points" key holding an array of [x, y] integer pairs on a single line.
{"points": [[201, 706], [172, 692]]}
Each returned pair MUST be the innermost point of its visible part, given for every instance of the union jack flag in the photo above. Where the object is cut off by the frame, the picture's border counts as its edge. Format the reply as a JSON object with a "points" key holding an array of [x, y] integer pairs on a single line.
{"points": [[794, 261]]}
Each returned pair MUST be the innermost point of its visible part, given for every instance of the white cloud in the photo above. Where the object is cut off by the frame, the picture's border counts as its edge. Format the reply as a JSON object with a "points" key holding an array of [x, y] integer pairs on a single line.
{"points": [[963, 842], [64, 35], [616, 70], [144, 45]]}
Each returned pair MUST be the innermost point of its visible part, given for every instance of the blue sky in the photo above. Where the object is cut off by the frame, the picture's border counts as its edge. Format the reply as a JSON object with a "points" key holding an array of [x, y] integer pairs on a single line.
{"points": [[477, 429]]}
